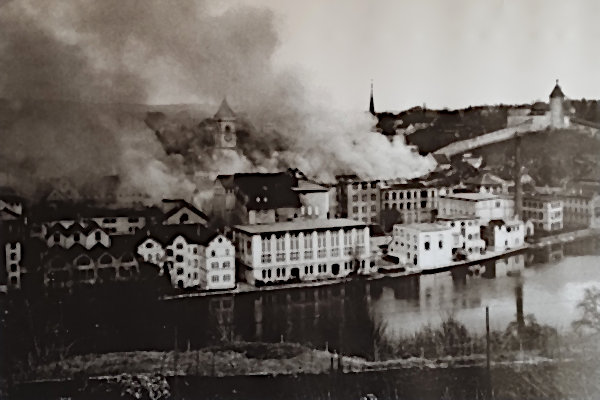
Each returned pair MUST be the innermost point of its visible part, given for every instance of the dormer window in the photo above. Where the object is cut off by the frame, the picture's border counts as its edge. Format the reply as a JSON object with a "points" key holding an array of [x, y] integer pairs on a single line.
{"points": [[258, 199]]}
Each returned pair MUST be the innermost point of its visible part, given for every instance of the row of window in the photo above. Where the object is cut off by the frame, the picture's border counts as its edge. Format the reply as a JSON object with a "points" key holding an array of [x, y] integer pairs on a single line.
{"points": [[400, 195], [364, 197], [400, 206], [309, 254]]}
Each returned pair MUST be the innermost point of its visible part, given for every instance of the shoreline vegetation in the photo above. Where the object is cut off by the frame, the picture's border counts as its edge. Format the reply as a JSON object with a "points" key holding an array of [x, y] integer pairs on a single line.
{"points": [[448, 345]]}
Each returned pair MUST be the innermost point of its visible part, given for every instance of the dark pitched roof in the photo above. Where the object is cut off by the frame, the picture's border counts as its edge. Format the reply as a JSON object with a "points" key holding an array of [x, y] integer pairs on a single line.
{"points": [[77, 226], [180, 203], [224, 112], [557, 91], [258, 191], [165, 234]]}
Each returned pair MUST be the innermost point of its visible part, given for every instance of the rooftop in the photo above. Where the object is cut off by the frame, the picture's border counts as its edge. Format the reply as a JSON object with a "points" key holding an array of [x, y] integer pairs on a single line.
{"points": [[306, 186], [472, 196], [557, 91], [300, 225], [426, 227], [456, 217], [225, 112]]}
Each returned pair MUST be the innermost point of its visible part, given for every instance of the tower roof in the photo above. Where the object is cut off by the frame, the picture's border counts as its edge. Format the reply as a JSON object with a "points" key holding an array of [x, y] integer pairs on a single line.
{"points": [[225, 112], [557, 91], [372, 102]]}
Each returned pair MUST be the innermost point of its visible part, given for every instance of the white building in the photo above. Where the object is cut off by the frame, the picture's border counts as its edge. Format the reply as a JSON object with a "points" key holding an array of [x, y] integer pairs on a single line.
{"points": [[424, 245], [581, 210], [467, 229], [302, 250], [193, 257], [483, 206], [546, 213], [502, 235]]}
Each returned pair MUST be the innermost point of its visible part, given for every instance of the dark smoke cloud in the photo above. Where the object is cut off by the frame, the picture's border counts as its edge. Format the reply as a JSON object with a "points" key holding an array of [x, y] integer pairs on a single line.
{"points": [[91, 61]]}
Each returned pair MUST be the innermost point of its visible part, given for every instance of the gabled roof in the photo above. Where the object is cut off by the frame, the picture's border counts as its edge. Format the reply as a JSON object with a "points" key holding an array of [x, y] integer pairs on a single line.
{"points": [[263, 191], [224, 112], [179, 204], [78, 226], [486, 179], [165, 234]]}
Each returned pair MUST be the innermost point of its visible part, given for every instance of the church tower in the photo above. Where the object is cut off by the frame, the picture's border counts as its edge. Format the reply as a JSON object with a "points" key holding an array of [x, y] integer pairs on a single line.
{"points": [[557, 115], [225, 137], [372, 102]]}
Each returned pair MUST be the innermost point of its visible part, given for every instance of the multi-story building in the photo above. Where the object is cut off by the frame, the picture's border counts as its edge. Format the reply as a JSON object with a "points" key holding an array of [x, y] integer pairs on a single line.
{"points": [[545, 212], [502, 235], [302, 250], [358, 200], [181, 212], [581, 210], [71, 233], [256, 198], [483, 206], [64, 268], [192, 255], [423, 245], [414, 201], [12, 232], [467, 229]]}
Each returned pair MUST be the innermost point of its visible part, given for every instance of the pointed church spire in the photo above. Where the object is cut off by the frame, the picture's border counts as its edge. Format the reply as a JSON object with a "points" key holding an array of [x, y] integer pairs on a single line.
{"points": [[372, 103]]}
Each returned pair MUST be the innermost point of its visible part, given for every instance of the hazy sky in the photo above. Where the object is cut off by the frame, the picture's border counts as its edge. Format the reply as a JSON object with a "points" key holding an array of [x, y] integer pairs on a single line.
{"points": [[440, 52]]}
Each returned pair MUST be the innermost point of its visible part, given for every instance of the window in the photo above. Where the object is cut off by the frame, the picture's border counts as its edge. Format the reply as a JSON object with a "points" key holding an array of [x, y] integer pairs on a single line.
{"points": [[393, 195], [386, 196], [426, 245], [13, 267], [179, 271], [215, 278], [179, 258], [226, 278], [266, 245], [373, 197], [97, 235], [441, 244], [355, 197], [179, 246], [226, 264], [106, 259], [169, 252], [355, 209], [373, 208], [214, 265]]}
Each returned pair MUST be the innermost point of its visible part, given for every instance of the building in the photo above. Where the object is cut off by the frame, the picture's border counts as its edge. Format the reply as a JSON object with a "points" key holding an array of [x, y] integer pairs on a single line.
{"points": [[542, 115], [358, 200], [483, 206], [181, 212], [545, 212], [225, 135], [12, 233], [413, 201], [65, 268], [257, 198], [308, 249], [502, 235], [192, 255], [467, 229], [487, 183], [423, 245], [314, 199], [581, 210]]}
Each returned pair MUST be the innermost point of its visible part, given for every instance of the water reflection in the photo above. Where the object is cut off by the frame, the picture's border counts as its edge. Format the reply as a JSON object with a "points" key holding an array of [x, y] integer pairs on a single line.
{"points": [[546, 282]]}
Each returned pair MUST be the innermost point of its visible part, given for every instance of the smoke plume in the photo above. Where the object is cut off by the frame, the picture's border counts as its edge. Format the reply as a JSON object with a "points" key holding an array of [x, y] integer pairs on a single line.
{"points": [[75, 77]]}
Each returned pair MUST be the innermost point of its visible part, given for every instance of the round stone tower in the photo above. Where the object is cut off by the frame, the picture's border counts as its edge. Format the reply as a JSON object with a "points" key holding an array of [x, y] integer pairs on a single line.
{"points": [[557, 115]]}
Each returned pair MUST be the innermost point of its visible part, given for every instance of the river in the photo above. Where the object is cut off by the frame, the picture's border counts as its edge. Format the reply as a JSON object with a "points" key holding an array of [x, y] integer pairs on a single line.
{"points": [[547, 283]]}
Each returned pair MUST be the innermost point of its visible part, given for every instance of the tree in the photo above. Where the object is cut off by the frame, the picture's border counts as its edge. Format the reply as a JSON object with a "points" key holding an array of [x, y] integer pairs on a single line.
{"points": [[590, 307]]}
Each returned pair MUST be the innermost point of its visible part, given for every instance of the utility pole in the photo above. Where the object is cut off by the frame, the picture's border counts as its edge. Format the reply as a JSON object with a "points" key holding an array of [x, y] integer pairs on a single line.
{"points": [[517, 178], [488, 363]]}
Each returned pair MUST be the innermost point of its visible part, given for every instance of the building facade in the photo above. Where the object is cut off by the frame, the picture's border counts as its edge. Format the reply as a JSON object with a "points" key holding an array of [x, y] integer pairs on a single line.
{"points": [[581, 210], [358, 200], [468, 231], [302, 250], [191, 256], [483, 206], [414, 202], [546, 213], [423, 245], [502, 235]]}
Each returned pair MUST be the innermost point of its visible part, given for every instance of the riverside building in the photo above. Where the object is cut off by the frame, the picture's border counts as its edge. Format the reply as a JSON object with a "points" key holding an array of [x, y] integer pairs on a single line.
{"points": [[302, 250]]}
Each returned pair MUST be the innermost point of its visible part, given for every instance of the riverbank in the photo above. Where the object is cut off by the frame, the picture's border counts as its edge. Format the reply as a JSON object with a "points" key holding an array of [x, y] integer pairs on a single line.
{"points": [[564, 237], [395, 271]]}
